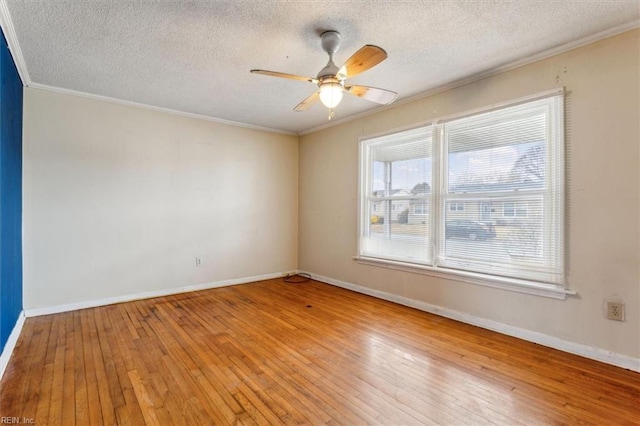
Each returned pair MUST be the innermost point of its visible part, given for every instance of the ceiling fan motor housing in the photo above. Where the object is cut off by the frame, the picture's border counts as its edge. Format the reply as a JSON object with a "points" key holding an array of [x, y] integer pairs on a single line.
{"points": [[330, 41]]}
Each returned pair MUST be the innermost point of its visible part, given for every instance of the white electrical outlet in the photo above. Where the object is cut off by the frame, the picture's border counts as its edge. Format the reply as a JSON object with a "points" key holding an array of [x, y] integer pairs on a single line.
{"points": [[615, 310], [198, 261]]}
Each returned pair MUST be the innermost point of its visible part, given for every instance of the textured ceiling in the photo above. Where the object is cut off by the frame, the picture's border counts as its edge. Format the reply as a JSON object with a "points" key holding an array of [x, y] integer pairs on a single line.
{"points": [[195, 57]]}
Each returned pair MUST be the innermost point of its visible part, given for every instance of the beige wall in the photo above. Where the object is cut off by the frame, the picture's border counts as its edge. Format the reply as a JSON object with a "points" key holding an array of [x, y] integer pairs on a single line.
{"points": [[120, 201], [603, 140]]}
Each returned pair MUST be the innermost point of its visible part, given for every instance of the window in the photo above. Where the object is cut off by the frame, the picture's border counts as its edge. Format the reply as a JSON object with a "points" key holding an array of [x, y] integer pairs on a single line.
{"points": [[514, 210], [420, 208], [481, 194], [456, 206]]}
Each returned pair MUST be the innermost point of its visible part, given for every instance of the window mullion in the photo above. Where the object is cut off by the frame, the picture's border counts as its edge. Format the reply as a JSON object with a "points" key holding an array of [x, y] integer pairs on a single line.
{"points": [[437, 212], [387, 193]]}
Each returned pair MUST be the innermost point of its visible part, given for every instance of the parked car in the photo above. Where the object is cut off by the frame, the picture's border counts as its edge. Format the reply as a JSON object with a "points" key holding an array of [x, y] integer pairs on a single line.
{"points": [[469, 229]]}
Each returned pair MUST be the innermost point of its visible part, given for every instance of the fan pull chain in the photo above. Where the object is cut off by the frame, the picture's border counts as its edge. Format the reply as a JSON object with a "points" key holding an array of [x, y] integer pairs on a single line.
{"points": [[331, 114]]}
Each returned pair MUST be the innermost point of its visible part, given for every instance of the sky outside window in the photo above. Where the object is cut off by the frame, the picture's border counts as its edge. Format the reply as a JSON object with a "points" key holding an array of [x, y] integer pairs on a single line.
{"points": [[505, 164]]}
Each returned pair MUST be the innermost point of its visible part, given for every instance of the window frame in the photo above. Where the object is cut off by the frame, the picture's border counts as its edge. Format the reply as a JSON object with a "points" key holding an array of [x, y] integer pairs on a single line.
{"points": [[558, 289]]}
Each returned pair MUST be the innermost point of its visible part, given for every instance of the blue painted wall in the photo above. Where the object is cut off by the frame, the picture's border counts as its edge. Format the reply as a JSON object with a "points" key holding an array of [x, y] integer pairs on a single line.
{"points": [[10, 194]]}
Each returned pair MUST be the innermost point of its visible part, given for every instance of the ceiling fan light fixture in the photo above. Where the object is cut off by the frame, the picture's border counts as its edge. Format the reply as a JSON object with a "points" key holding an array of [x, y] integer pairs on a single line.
{"points": [[331, 94]]}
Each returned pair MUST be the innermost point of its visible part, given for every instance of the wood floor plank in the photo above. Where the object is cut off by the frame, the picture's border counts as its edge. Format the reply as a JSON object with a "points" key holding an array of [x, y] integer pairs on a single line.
{"points": [[79, 394], [48, 361], [89, 340], [144, 401], [100, 364], [69, 395], [276, 353], [57, 391], [33, 367], [129, 413]]}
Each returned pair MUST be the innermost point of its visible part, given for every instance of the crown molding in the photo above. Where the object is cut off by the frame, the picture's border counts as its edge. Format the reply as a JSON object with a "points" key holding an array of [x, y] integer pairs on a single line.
{"points": [[489, 73], [158, 109], [9, 32]]}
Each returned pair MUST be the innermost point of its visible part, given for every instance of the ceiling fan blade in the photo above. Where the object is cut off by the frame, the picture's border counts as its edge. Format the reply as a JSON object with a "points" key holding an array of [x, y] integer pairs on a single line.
{"points": [[305, 104], [367, 57], [284, 75], [373, 94]]}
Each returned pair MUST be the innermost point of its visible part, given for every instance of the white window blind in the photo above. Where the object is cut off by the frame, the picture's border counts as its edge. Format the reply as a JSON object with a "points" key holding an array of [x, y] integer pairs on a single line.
{"points": [[489, 202]]}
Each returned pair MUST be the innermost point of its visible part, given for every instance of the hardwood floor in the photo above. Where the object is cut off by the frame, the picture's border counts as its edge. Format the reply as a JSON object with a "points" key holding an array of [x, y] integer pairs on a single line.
{"points": [[271, 352]]}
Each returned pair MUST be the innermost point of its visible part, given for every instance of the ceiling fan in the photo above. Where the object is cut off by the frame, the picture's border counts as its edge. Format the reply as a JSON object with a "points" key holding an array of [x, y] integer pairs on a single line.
{"points": [[331, 79]]}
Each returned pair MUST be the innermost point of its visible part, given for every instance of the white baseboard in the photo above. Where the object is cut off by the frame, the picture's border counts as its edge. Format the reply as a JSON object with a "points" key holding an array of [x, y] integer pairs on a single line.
{"points": [[590, 352], [11, 343], [147, 295]]}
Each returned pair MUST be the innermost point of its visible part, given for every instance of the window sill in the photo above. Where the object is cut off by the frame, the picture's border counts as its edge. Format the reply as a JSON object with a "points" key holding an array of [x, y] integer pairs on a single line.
{"points": [[503, 283]]}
